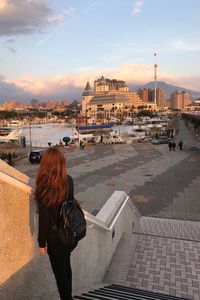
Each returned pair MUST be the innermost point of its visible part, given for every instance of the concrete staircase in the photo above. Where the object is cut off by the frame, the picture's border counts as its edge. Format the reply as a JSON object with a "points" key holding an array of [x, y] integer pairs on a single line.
{"points": [[117, 292]]}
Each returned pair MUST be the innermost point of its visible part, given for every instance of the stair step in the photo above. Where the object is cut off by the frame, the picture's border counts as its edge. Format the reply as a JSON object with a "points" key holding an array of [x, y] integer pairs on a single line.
{"points": [[118, 292]]}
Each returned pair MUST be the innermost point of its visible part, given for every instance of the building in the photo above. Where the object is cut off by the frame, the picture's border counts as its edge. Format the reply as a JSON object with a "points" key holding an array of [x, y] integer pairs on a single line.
{"points": [[179, 100], [194, 106], [35, 103], [11, 105], [160, 97], [107, 106], [110, 98], [53, 104], [145, 94], [102, 85], [86, 97]]}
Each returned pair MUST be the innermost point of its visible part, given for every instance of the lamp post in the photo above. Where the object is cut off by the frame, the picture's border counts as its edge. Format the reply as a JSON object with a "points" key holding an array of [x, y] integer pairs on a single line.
{"points": [[30, 138]]}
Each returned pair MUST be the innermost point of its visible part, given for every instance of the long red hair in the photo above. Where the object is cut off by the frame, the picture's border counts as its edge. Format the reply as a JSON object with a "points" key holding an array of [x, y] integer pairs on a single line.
{"points": [[51, 181]]}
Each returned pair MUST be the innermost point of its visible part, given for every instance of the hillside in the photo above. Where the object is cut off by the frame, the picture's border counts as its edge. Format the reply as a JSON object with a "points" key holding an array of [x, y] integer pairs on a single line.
{"points": [[168, 87]]}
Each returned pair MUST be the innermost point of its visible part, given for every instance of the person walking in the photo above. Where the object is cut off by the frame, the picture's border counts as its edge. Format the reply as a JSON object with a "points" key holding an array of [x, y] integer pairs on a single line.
{"points": [[10, 161], [170, 145], [52, 186], [60, 143], [180, 144], [174, 145]]}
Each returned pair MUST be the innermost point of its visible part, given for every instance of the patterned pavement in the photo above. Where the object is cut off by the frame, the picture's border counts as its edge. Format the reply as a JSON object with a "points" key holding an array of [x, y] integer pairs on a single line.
{"points": [[178, 229], [161, 258]]}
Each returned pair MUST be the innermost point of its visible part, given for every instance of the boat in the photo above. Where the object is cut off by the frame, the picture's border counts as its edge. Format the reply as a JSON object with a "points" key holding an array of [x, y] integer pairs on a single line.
{"points": [[91, 132], [9, 134], [94, 128]]}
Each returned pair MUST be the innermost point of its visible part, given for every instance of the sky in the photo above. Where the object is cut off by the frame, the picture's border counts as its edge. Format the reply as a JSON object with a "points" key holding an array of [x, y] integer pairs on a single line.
{"points": [[50, 49]]}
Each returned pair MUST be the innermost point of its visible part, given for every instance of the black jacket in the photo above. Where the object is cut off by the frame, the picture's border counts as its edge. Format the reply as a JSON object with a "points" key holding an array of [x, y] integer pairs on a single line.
{"points": [[46, 234]]}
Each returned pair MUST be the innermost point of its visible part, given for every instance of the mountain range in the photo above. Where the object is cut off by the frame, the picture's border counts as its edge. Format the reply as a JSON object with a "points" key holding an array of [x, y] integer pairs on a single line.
{"points": [[168, 87]]}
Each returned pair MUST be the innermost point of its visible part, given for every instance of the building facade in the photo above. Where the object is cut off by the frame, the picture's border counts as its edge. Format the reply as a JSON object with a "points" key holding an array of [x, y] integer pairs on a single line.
{"points": [[179, 100], [145, 94], [160, 97], [110, 98]]}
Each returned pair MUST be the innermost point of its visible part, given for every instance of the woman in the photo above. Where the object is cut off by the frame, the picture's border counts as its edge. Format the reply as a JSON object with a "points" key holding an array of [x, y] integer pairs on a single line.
{"points": [[52, 186]]}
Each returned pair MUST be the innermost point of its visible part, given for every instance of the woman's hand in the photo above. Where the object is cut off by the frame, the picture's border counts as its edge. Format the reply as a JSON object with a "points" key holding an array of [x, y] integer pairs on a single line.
{"points": [[42, 250]]}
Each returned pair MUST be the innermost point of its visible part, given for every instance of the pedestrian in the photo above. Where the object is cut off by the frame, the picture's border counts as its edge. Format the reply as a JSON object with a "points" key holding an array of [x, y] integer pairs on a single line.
{"points": [[81, 145], [10, 162], [60, 143], [180, 144], [170, 145], [174, 145], [52, 186]]}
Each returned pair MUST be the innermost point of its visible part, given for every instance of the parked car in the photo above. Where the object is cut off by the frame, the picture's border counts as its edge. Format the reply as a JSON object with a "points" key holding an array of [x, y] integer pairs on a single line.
{"points": [[161, 140], [35, 156], [114, 139]]}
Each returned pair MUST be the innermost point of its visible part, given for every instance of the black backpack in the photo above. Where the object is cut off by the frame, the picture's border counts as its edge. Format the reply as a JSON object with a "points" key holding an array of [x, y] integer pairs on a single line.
{"points": [[72, 224]]}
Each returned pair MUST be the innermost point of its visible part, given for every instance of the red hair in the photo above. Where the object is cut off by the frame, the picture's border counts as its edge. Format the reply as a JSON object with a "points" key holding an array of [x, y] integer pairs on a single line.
{"points": [[51, 181]]}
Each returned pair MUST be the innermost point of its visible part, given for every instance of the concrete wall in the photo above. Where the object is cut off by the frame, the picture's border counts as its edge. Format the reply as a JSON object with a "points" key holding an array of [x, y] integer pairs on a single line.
{"points": [[27, 275], [93, 255], [6, 169]]}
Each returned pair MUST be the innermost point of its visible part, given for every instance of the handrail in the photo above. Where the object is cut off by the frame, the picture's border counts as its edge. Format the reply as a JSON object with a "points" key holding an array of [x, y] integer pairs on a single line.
{"points": [[120, 210], [134, 208], [96, 221]]}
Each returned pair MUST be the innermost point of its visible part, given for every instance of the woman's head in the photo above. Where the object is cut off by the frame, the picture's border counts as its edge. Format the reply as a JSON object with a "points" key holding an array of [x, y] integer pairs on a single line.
{"points": [[51, 178]]}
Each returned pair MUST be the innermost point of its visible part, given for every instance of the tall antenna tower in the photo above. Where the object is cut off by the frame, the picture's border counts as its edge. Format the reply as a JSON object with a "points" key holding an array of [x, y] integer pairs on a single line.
{"points": [[155, 78]]}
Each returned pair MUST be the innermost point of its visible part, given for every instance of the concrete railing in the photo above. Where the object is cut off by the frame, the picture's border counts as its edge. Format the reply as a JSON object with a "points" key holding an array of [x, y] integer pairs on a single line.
{"points": [[27, 275], [7, 169]]}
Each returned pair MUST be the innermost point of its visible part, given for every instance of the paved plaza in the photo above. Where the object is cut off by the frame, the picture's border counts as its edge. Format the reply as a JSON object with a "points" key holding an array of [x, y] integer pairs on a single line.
{"points": [[161, 183], [165, 186]]}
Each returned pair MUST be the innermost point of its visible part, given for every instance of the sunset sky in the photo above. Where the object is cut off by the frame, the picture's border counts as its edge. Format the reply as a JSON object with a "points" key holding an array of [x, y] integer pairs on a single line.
{"points": [[49, 49]]}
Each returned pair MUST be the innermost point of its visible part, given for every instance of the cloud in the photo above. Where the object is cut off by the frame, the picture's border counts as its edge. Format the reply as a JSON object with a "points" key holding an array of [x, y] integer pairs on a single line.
{"points": [[10, 45], [25, 16], [68, 11], [55, 20], [179, 44], [12, 49], [71, 86], [10, 90], [137, 7]]}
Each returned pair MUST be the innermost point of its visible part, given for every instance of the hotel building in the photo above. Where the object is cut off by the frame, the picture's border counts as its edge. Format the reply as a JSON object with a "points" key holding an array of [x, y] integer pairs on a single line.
{"points": [[110, 98]]}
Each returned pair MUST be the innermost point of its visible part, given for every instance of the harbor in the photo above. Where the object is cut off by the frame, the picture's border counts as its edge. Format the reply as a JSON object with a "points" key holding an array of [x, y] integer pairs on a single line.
{"points": [[39, 135]]}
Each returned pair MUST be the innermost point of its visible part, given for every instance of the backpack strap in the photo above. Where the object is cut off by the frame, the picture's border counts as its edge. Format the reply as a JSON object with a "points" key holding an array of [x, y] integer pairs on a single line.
{"points": [[70, 192]]}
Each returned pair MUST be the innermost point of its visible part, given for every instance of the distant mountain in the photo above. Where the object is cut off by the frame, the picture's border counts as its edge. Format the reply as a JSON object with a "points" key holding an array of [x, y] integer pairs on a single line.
{"points": [[169, 89]]}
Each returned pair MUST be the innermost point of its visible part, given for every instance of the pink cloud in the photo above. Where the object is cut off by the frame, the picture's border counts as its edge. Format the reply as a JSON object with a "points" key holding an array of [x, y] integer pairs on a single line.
{"points": [[71, 85]]}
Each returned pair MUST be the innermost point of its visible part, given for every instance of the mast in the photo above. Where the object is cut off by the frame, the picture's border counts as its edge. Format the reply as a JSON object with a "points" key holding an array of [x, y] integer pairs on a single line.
{"points": [[155, 78]]}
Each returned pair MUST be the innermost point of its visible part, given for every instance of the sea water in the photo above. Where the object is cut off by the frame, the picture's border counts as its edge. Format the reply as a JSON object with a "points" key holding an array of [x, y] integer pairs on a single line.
{"points": [[42, 134]]}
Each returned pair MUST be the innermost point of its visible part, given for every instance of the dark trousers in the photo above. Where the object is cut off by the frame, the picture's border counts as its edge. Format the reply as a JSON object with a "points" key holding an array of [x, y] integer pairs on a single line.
{"points": [[60, 263]]}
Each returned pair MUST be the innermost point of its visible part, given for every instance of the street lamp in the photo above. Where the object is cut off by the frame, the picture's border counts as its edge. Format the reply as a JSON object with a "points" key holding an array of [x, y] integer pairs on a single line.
{"points": [[30, 138]]}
